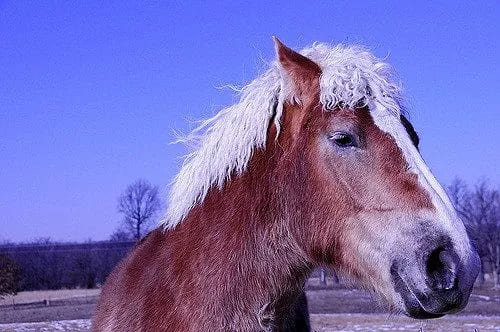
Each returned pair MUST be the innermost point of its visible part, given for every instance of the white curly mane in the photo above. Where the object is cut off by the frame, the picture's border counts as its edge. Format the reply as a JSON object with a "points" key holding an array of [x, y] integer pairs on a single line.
{"points": [[351, 77]]}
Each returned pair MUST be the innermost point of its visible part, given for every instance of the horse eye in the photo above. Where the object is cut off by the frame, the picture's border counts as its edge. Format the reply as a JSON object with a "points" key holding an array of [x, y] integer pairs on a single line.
{"points": [[343, 140]]}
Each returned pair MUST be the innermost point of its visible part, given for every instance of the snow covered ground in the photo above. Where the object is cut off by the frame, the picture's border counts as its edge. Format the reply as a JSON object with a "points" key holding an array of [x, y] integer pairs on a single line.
{"points": [[322, 323], [62, 325]]}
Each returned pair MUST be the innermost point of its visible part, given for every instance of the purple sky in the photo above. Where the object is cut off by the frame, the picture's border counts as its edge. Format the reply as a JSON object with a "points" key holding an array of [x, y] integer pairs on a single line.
{"points": [[90, 91]]}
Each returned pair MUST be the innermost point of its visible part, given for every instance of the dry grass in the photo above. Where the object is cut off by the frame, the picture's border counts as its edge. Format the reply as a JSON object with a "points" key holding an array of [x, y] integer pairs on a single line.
{"points": [[35, 296]]}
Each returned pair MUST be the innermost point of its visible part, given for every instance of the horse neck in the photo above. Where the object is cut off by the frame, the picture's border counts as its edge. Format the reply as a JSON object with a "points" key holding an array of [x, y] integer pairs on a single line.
{"points": [[240, 242]]}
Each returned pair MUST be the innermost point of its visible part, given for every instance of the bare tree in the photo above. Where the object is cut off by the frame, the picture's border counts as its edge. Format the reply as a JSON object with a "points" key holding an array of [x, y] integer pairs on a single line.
{"points": [[486, 201], [139, 205], [479, 208], [9, 276], [461, 197]]}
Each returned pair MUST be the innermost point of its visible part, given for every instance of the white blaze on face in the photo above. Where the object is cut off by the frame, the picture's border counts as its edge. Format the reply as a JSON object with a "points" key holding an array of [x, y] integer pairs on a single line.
{"points": [[445, 217]]}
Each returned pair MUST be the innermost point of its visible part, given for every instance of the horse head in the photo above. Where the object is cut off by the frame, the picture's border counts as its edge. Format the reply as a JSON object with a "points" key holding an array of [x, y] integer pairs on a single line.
{"points": [[359, 196]]}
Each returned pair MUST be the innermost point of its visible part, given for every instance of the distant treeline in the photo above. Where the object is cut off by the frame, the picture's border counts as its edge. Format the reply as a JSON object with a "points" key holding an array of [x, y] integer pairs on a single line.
{"points": [[53, 265]]}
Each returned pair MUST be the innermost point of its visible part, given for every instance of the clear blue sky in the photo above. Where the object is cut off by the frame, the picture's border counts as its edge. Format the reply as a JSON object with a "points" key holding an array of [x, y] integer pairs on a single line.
{"points": [[90, 91]]}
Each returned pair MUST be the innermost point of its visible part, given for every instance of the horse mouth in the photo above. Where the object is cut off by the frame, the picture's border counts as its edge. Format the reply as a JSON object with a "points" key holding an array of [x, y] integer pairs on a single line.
{"points": [[413, 305]]}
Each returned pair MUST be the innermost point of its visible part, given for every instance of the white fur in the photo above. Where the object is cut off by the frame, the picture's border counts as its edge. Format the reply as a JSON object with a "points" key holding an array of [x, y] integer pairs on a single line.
{"points": [[351, 77], [446, 216]]}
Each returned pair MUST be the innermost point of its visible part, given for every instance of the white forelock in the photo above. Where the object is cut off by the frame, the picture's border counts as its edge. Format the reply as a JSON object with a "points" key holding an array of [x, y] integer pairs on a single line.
{"points": [[351, 77]]}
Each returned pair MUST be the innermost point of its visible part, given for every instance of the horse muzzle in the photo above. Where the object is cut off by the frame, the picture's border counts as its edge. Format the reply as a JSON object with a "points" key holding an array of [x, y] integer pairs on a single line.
{"points": [[440, 284]]}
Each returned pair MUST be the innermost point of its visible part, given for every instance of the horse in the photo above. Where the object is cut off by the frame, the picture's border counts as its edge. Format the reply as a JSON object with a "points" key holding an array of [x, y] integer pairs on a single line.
{"points": [[317, 164]]}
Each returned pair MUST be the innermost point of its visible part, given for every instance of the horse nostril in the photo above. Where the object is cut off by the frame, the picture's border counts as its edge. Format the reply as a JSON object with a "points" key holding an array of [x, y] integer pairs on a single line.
{"points": [[442, 268]]}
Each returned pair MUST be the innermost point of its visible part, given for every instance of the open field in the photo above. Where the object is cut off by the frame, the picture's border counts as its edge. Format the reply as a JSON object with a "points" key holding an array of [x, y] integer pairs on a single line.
{"points": [[36, 296], [384, 322], [332, 309], [61, 305], [63, 325], [321, 323], [341, 300]]}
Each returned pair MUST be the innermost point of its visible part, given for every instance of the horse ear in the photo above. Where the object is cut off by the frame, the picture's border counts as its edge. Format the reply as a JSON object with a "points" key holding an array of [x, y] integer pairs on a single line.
{"points": [[300, 73]]}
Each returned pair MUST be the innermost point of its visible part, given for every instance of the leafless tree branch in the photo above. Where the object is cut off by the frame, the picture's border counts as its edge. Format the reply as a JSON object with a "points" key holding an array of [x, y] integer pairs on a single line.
{"points": [[139, 204]]}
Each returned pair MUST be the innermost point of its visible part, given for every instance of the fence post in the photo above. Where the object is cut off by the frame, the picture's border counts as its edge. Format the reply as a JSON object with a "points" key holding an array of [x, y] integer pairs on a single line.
{"points": [[322, 276]]}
